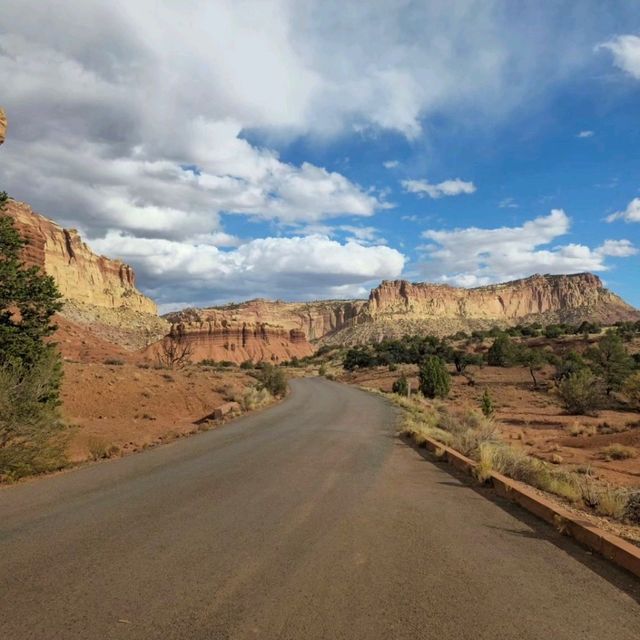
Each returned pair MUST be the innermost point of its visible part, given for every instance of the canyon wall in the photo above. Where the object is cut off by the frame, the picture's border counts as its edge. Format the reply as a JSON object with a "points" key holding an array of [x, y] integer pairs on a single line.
{"points": [[214, 336], [398, 307], [81, 275], [507, 302]]}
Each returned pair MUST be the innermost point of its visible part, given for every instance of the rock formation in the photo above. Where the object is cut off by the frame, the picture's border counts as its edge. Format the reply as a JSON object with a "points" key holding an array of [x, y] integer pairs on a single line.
{"points": [[395, 308], [213, 336], [81, 275]]}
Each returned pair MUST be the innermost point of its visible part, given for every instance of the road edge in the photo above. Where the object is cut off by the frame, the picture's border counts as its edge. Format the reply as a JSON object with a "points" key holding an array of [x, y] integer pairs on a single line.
{"points": [[612, 547]]}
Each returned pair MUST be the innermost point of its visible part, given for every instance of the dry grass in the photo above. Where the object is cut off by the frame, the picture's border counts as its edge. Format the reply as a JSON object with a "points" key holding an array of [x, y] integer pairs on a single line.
{"points": [[617, 451], [254, 398]]}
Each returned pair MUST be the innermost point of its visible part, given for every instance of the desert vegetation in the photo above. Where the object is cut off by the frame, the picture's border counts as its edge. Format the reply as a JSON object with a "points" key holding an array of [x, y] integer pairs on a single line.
{"points": [[555, 406], [32, 433]]}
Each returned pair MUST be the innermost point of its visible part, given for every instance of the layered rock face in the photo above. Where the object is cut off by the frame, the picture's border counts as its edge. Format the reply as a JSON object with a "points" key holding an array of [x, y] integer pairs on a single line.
{"points": [[262, 329], [81, 275], [511, 301], [396, 308], [212, 335]]}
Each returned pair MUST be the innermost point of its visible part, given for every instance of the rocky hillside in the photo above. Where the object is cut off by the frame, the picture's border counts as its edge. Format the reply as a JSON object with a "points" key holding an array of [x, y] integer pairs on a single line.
{"points": [[81, 275], [399, 307], [100, 293]]}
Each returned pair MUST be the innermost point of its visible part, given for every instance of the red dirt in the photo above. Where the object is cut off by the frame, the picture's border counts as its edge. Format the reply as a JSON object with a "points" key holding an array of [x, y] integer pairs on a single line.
{"points": [[534, 419]]}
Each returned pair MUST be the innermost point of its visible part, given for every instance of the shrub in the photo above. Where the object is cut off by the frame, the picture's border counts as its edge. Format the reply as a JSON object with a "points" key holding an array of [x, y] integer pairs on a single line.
{"points": [[502, 352], [114, 362], [486, 404], [32, 435], [254, 398], [631, 389], [434, 378], [617, 451], [401, 386], [632, 508], [358, 358], [247, 364], [322, 371], [579, 392], [273, 380]]}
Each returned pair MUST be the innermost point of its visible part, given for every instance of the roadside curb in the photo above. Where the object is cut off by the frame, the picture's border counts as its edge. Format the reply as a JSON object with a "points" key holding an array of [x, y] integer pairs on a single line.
{"points": [[608, 545]]}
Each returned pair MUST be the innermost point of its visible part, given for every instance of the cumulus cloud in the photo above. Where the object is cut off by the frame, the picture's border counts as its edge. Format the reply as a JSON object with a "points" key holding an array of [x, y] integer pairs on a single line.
{"points": [[305, 267], [585, 134], [424, 188], [626, 53], [630, 214], [391, 164], [474, 256], [151, 121]]}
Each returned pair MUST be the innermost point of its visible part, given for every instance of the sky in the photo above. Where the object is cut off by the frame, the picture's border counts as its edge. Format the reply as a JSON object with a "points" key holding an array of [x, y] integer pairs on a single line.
{"points": [[297, 149]]}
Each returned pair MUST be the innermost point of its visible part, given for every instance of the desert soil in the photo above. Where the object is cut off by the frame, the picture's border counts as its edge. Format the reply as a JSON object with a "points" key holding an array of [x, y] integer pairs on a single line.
{"points": [[129, 405]]}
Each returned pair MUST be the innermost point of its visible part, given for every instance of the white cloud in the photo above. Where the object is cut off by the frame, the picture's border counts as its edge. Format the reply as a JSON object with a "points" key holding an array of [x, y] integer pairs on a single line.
{"points": [[391, 164], [508, 203], [453, 187], [626, 53], [585, 134], [299, 267], [474, 256], [630, 214]]}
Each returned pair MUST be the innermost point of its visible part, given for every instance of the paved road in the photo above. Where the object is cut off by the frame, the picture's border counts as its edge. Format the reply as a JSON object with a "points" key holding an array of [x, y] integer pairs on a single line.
{"points": [[310, 520]]}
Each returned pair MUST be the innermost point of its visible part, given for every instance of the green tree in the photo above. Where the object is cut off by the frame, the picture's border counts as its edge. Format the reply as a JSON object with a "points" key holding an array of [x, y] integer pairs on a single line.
{"points": [[30, 368], [486, 404], [532, 359], [502, 352], [611, 361], [434, 378], [401, 386]]}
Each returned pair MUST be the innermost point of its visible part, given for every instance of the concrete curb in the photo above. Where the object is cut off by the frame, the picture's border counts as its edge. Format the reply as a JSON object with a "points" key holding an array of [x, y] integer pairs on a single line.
{"points": [[612, 547]]}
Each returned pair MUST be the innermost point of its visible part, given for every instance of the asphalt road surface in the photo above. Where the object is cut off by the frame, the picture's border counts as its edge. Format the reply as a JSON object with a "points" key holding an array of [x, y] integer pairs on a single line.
{"points": [[308, 520]]}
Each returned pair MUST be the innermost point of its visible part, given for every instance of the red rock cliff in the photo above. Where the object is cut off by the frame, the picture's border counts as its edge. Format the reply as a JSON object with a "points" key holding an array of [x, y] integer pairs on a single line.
{"points": [[81, 275]]}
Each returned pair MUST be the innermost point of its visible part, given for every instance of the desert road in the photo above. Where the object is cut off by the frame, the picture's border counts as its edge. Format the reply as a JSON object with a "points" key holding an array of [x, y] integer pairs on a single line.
{"points": [[309, 520]]}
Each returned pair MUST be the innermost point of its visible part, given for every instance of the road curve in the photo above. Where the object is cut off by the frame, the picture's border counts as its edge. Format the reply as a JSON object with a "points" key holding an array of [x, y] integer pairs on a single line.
{"points": [[309, 520]]}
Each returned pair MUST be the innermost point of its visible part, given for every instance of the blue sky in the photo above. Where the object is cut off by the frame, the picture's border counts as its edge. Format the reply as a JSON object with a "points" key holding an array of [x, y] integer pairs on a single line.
{"points": [[302, 149]]}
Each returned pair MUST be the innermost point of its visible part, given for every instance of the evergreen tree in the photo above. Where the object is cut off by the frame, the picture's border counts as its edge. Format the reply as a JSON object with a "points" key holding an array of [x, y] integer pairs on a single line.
{"points": [[30, 368], [434, 378], [487, 404], [611, 361]]}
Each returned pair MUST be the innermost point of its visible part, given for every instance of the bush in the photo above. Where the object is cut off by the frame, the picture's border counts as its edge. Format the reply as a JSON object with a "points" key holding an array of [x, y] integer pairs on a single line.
{"points": [[247, 364], [114, 362], [632, 508], [631, 389], [487, 404], [322, 371], [401, 386], [580, 392], [502, 352], [617, 451], [434, 378], [273, 380], [32, 435]]}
